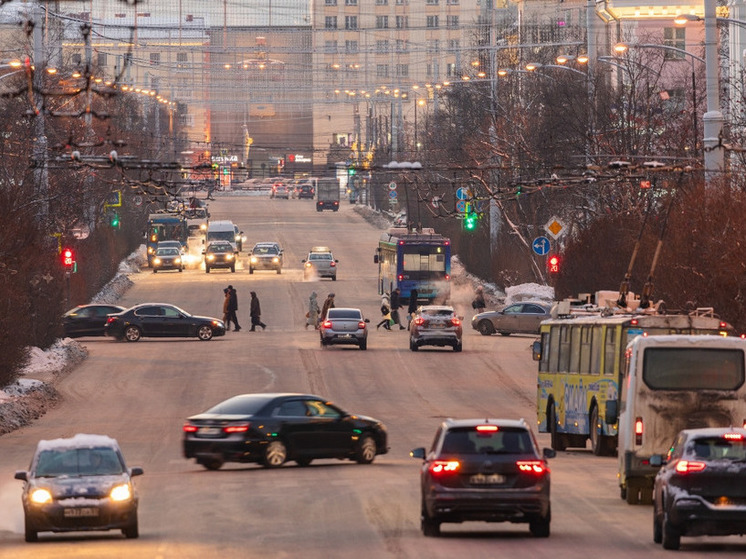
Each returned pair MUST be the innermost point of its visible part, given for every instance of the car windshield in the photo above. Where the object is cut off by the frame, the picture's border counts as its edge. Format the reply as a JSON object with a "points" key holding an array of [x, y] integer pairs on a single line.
{"points": [[504, 440], [318, 256], [239, 405], [167, 252], [265, 250], [438, 313], [79, 462], [220, 248], [349, 314], [718, 448]]}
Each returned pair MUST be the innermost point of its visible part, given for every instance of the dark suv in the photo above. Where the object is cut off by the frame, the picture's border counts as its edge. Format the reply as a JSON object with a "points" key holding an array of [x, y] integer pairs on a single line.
{"points": [[220, 254], [485, 469]]}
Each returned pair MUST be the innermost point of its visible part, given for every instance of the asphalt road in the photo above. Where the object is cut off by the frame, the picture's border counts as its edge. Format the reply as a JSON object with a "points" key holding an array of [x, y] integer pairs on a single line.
{"points": [[140, 394]]}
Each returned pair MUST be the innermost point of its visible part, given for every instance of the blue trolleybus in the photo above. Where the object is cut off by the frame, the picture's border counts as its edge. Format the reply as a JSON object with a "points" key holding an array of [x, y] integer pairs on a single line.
{"points": [[418, 260]]}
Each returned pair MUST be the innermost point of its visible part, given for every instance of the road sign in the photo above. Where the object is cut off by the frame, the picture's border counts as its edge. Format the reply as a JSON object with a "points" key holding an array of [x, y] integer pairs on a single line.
{"points": [[392, 185], [463, 193], [541, 245], [137, 199], [461, 206], [392, 195], [555, 228]]}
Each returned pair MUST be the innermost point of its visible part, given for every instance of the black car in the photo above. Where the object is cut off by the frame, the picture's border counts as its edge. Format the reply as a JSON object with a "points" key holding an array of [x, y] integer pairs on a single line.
{"points": [[220, 254], [305, 190], [701, 488], [87, 320], [484, 469], [79, 484], [272, 428], [159, 320]]}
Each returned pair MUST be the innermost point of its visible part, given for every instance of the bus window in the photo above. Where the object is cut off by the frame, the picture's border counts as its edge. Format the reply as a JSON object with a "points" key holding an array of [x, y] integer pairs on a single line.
{"points": [[564, 358], [610, 350], [553, 352], [669, 368], [596, 345], [575, 350], [585, 350], [544, 362]]}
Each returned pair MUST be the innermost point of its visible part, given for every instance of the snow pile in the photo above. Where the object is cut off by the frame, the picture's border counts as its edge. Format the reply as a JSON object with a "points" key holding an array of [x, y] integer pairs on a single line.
{"points": [[61, 354], [529, 292]]}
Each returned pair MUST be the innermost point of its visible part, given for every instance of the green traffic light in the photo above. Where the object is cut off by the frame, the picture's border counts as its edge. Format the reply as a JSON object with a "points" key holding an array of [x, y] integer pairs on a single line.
{"points": [[115, 220], [351, 171], [470, 222]]}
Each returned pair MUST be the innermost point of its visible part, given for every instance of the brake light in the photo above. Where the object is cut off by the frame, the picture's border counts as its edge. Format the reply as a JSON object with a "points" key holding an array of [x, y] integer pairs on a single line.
{"points": [[326, 324], [239, 428], [441, 467], [532, 466], [733, 436], [189, 428], [638, 430], [723, 325], [332, 264], [455, 322], [361, 325], [448, 276], [487, 428], [110, 319], [400, 277], [634, 322], [687, 467], [419, 321]]}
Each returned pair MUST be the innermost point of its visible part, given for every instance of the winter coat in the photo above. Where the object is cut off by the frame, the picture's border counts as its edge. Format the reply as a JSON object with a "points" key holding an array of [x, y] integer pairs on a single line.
{"points": [[255, 311]]}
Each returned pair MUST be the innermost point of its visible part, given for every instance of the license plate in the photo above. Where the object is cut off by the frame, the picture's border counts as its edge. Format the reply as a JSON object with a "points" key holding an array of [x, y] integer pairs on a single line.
{"points": [[79, 512], [486, 479], [346, 336], [209, 431], [437, 325]]}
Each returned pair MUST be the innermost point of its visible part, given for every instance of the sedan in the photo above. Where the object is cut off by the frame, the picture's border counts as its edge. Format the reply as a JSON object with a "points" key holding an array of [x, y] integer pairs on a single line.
{"points": [[167, 259], [320, 265], [158, 320], [701, 488], [344, 326], [271, 429], [435, 325], [87, 320], [518, 318], [79, 484], [487, 470]]}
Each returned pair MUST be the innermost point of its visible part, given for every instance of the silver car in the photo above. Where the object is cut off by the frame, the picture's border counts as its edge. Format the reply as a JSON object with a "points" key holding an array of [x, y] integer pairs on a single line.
{"points": [[518, 318], [344, 326], [435, 325], [320, 265], [265, 256]]}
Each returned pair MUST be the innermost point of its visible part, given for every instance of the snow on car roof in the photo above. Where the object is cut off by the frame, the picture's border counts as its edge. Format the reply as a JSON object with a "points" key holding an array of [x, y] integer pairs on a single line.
{"points": [[78, 441]]}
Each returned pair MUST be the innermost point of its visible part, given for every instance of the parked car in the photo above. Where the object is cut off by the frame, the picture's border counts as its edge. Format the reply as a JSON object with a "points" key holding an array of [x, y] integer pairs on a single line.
{"points": [[266, 256], [79, 484], [486, 470], [435, 325], [160, 320], [271, 429], [87, 320], [320, 264], [220, 254], [167, 258], [344, 326], [701, 488], [518, 318]]}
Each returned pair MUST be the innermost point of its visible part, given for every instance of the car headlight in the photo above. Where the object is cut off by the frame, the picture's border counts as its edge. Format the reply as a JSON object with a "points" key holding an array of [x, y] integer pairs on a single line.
{"points": [[156, 260], [275, 260], [211, 257], [121, 492], [178, 260], [151, 250], [203, 227], [40, 496], [254, 260], [229, 257]]}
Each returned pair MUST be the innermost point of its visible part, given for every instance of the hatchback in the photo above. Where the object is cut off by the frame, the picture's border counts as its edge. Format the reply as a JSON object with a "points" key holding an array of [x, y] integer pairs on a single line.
{"points": [[518, 318], [344, 326], [487, 470], [79, 484], [435, 325], [701, 488]]}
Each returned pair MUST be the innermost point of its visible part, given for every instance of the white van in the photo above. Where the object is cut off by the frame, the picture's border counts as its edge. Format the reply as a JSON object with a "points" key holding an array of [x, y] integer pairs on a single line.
{"points": [[224, 230]]}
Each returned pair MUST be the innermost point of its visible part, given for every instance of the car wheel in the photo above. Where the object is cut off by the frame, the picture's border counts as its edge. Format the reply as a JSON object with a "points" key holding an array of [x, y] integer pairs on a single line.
{"points": [[334, 277], [597, 445], [213, 464], [181, 269], [364, 345], [233, 269], [279, 271], [131, 531], [430, 526], [558, 440], [30, 535], [657, 527], [670, 537], [539, 528], [366, 450], [155, 271], [132, 333], [204, 333], [251, 270], [413, 345], [275, 454], [207, 269], [457, 348], [303, 462], [485, 328]]}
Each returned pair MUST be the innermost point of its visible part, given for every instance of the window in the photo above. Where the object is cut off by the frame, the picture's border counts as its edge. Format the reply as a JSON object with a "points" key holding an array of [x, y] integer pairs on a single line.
{"points": [[102, 59], [182, 59], [382, 47], [382, 70], [382, 22], [402, 22], [351, 47], [401, 2], [431, 2], [402, 71], [431, 22], [155, 58], [451, 69], [683, 368], [402, 45], [77, 59], [382, 2], [610, 353], [433, 45], [429, 71], [350, 2], [454, 44], [330, 2], [350, 22], [451, 21], [330, 47], [674, 37], [330, 22], [452, 2]]}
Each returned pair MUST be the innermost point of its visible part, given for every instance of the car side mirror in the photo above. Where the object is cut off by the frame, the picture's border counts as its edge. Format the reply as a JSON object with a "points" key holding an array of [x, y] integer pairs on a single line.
{"points": [[336, 261], [657, 460], [548, 453], [536, 350], [612, 411], [22, 475], [367, 320], [418, 452], [375, 259], [302, 261], [204, 252]]}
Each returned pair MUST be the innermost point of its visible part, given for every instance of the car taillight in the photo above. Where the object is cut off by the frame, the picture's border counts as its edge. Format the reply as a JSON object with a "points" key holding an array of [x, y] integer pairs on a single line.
{"points": [[487, 428], [443, 467], [532, 466], [419, 321], [733, 436], [455, 322], [189, 428], [326, 324], [687, 467], [448, 276], [332, 264], [638, 430], [110, 320], [361, 325], [238, 428]]}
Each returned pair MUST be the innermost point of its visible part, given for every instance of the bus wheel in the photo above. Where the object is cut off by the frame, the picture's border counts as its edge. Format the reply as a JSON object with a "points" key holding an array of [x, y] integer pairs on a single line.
{"points": [[633, 491], [558, 440], [598, 442]]}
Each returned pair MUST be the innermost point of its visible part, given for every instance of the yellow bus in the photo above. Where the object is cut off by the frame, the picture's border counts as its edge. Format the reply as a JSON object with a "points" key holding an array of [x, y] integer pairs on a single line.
{"points": [[581, 360]]}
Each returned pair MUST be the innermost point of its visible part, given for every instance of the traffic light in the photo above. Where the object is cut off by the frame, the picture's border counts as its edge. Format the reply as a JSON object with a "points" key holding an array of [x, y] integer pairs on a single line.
{"points": [[470, 218], [68, 258], [114, 220], [351, 171], [553, 264]]}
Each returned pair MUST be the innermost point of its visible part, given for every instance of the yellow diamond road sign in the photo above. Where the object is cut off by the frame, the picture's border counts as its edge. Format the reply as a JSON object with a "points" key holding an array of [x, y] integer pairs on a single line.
{"points": [[555, 227]]}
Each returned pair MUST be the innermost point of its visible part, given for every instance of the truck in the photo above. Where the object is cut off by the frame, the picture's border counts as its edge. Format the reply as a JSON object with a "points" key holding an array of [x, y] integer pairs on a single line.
{"points": [[327, 194]]}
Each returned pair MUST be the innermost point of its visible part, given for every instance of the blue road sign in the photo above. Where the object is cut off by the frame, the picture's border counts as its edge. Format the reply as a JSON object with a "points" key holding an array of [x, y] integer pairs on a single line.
{"points": [[541, 246], [462, 193], [392, 194], [461, 206]]}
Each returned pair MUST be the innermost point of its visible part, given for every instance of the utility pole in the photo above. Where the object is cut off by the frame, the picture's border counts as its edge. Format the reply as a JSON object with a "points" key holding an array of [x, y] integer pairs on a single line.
{"points": [[41, 174], [714, 152]]}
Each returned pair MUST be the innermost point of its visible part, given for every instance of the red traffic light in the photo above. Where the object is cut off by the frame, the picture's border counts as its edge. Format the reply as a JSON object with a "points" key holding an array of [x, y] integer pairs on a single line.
{"points": [[553, 264], [68, 257]]}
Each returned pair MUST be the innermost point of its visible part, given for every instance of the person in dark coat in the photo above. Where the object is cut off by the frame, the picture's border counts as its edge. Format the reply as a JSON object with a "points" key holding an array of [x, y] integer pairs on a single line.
{"points": [[328, 304], [232, 307], [395, 306], [412, 308], [478, 304], [256, 313]]}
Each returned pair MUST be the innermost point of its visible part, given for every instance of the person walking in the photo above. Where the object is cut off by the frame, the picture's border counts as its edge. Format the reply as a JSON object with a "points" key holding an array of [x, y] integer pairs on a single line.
{"points": [[386, 312], [312, 316], [395, 306], [412, 308], [226, 302], [478, 303], [328, 304], [232, 308], [255, 312]]}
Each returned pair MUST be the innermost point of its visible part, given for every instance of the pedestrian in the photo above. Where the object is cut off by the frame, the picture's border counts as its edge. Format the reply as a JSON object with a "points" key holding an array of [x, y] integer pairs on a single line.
{"points": [[226, 302], [312, 315], [386, 312], [328, 304], [256, 313], [478, 303], [412, 308], [395, 306], [232, 307]]}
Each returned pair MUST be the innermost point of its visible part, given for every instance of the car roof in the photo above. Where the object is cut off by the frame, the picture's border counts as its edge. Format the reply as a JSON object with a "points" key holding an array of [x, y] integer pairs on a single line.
{"points": [[80, 440], [712, 432], [544, 304], [456, 423]]}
